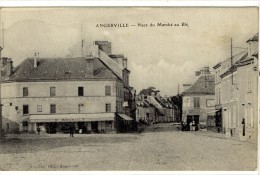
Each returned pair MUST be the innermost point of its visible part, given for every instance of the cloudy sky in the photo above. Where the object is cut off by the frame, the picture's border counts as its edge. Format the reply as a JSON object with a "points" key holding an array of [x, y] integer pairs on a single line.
{"points": [[157, 56]]}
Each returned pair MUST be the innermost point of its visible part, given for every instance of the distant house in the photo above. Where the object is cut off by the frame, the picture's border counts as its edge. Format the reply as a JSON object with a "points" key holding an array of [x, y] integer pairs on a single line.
{"points": [[87, 92], [199, 100], [145, 112], [155, 108]]}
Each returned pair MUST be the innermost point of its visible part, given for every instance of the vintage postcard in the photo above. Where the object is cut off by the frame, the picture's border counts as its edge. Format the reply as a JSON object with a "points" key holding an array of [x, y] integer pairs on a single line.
{"points": [[129, 88]]}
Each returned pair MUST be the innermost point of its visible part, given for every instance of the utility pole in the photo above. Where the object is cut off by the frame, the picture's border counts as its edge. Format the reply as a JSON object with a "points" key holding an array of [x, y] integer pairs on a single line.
{"points": [[82, 42], [231, 60], [178, 89]]}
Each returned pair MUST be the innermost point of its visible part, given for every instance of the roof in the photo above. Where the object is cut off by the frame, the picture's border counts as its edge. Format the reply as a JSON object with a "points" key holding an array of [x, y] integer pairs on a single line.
{"points": [[143, 103], [233, 68], [112, 64], [62, 69], [254, 38], [247, 60], [217, 66], [203, 86]]}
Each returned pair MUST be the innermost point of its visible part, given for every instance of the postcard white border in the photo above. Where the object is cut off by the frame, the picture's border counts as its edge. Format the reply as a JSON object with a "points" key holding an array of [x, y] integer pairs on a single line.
{"points": [[129, 3]]}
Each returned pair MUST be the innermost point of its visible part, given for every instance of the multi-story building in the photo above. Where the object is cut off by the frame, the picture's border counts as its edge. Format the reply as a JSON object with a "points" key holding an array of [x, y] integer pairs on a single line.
{"points": [[247, 77], [236, 102], [87, 92], [199, 100], [229, 87]]}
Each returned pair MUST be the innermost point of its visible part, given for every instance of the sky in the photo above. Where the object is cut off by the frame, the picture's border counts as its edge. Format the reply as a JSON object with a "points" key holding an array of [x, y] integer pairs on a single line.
{"points": [[162, 57]]}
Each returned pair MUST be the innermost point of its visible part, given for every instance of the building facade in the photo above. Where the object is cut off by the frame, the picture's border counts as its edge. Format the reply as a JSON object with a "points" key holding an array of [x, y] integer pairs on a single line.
{"points": [[248, 76], [237, 87], [86, 92], [199, 100]]}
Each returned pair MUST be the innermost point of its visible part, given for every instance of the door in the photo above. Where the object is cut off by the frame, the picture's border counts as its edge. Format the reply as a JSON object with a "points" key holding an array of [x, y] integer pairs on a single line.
{"points": [[94, 126]]}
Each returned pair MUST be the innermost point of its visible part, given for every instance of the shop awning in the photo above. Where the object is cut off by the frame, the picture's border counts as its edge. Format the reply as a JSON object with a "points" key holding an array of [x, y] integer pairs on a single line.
{"points": [[214, 111], [125, 117], [72, 117]]}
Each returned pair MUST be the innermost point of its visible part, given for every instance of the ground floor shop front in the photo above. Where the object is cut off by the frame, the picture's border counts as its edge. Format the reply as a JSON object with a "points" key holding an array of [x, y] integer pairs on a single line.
{"points": [[78, 127], [79, 123]]}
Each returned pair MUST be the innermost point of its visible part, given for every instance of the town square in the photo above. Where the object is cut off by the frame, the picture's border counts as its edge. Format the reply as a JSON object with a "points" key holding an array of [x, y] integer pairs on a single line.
{"points": [[87, 89]]}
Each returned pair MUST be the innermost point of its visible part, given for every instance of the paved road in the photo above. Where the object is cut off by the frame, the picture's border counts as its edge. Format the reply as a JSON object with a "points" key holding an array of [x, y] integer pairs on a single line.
{"points": [[165, 149]]}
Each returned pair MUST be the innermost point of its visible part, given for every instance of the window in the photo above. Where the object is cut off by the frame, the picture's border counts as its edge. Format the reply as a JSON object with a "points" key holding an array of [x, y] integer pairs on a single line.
{"points": [[80, 108], [196, 102], [108, 90], [52, 91], [25, 92], [53, 109], [80, 91], [108, 107], [11, 104], [39, 108], [25, 109]]}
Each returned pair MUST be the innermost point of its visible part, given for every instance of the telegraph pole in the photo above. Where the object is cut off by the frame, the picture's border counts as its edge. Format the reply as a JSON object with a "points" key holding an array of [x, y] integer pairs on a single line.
{"points": [[231, 60]]}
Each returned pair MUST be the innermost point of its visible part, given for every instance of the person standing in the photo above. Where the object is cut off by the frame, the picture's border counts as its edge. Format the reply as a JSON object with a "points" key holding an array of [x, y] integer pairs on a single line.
{"points": [[38, 129], [193, 125], [190, 126], [71, 131], [244, 127]]}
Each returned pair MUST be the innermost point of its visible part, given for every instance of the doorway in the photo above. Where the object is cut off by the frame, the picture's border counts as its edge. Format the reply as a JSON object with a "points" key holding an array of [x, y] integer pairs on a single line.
{"points": [[94, 126]]}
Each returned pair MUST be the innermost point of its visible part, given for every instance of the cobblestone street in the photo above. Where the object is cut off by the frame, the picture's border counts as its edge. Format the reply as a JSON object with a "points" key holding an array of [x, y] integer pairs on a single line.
{"points": [[166, 149]]}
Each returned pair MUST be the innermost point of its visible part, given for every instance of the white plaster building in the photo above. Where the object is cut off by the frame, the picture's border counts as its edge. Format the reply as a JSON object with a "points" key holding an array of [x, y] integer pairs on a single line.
{"points": [[87, 92]]}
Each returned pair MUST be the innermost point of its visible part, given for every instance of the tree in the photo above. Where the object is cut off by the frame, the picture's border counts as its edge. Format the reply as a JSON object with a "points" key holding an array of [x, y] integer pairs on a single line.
{"points": [[149, 91]]}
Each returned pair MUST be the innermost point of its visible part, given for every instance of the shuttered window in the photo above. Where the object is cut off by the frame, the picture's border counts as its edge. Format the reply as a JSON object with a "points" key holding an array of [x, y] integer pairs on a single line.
{"points": [[196, 102]]}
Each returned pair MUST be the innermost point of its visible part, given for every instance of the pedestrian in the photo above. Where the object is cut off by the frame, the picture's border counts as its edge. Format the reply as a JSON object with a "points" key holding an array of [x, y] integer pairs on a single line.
{"points": [[244, 127], [193, 126], [38, 129], [71, 131], [190, 126]]}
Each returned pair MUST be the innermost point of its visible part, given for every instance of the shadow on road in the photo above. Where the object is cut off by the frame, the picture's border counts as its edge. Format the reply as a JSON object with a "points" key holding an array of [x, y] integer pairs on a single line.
{"points": [[162, 127], [21, 145]]}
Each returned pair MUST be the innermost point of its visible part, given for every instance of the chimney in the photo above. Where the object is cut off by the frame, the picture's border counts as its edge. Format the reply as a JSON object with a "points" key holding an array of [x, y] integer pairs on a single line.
{"points": [[153, 94], [3, 62], [35, 60], [252, 45], [89, 67], [105, 46], [9, 67], [142, 96], [125, 63], [186, 87]]}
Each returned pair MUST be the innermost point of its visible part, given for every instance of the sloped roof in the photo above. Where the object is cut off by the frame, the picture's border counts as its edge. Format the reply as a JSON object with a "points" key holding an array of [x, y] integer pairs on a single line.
{"points": [[203, 86], [61, 69], [247, 60], [233, 68], [112, 64], [254, 38]]}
